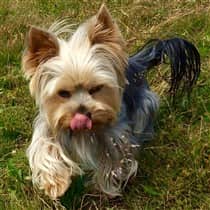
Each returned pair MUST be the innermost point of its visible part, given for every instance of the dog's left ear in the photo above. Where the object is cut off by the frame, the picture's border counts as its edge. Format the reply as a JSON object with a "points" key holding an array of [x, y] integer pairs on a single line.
{"points": [[104, 29]]}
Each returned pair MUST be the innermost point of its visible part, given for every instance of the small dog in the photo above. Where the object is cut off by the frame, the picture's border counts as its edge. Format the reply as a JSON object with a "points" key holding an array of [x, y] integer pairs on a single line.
{"points": [[95, 106]]}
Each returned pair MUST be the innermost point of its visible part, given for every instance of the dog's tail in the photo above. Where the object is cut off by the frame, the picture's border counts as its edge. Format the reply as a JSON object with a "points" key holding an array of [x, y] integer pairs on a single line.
{"points": [[184, 61]]}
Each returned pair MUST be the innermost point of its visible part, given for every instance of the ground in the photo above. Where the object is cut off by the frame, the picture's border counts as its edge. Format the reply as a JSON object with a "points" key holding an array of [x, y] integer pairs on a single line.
{"points": [[174, 170]]}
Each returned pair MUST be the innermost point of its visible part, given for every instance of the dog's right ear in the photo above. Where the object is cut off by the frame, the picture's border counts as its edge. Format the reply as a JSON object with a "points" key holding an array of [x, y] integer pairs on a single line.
{"points": [[40, 47], [104, 29]]}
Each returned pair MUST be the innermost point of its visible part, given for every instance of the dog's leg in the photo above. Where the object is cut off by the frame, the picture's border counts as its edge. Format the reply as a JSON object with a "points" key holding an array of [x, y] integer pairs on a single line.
{"points": [[144, 116], [51, 168]]}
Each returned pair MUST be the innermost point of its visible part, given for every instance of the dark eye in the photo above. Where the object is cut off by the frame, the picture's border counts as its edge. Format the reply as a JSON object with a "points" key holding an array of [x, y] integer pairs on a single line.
{"points": [[64, 93], [95, 89]]}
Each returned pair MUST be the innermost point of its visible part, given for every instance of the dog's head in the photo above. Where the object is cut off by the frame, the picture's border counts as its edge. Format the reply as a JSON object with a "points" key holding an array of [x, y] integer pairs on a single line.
{"points": [[78, 82]]}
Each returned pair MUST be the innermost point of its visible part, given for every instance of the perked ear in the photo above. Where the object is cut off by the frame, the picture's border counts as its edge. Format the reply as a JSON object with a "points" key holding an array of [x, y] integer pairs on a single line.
{"points": [[104, 29], [41, 46]]}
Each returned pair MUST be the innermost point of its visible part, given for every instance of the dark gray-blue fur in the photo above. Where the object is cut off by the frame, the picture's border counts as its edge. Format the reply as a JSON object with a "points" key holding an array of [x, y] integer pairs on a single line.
{"points": [[139, 103]]}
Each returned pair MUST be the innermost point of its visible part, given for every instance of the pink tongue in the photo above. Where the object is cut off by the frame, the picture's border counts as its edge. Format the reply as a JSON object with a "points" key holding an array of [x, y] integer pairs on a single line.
{"points": [[80, 121]]}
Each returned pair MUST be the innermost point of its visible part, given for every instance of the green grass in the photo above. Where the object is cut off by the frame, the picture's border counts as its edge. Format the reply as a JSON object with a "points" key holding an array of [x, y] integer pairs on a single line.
{"points": [[174, 170]]}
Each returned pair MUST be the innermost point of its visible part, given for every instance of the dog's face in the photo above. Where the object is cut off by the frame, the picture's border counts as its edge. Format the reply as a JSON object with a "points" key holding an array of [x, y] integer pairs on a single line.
{"points": [[78, 83]]}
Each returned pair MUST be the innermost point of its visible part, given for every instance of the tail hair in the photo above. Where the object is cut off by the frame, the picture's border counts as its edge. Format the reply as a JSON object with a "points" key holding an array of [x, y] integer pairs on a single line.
{"points": [[184, 62]]}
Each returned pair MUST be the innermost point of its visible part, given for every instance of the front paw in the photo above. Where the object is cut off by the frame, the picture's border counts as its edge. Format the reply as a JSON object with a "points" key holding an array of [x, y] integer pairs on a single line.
{"points": [[56, 187]]}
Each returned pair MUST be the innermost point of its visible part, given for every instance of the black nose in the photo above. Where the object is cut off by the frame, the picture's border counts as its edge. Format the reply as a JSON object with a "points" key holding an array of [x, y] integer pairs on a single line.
{"points": [[83, 110], [88, 114]]}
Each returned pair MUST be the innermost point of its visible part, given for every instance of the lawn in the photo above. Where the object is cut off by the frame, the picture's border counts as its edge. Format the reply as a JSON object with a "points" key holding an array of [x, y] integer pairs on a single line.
{"points": [[174, 170]]}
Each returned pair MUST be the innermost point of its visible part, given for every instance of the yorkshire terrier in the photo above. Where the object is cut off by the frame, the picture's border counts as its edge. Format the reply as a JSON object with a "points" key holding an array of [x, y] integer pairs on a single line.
{"points": [[95, 106]]}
